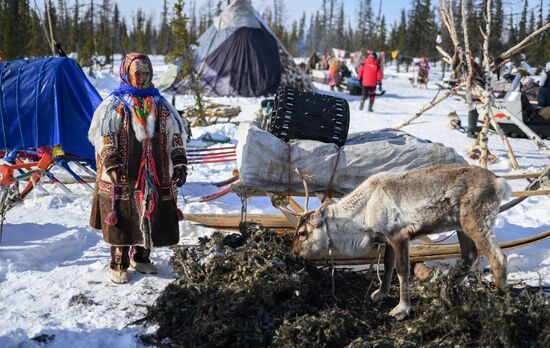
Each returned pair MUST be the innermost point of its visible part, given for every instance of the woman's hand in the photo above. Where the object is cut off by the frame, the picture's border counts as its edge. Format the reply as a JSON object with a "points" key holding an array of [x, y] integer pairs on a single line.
{"points": [[180, 175], [114, 175]]}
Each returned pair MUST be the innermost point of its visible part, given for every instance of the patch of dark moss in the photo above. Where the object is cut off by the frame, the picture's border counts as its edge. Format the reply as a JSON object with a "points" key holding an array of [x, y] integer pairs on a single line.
{"points": [[461, 308], [81, 299], [248, 290]]}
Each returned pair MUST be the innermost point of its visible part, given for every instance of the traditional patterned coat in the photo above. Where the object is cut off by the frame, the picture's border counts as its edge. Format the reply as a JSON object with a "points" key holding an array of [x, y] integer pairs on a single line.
{"points": [[119, 140]]}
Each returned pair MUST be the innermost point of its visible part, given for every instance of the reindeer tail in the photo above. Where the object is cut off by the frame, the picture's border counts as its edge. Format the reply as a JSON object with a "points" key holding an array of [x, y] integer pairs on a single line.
{"points": [[504, 190]]}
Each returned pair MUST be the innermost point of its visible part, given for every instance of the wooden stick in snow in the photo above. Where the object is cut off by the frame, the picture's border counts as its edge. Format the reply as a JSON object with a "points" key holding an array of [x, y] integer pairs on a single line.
{"points": [[483, 140], [430, 105], [488, 88], [513, 161], [468, 55], [489, 102]]}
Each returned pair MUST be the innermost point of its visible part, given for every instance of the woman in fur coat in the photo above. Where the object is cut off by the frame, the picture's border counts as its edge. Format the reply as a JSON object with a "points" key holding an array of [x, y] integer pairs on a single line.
{"points": [[139, 140]]}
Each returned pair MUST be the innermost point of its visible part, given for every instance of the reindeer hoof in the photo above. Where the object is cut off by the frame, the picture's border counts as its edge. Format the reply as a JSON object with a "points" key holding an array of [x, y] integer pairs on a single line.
{"points": [[378, 296], [401, 311]]}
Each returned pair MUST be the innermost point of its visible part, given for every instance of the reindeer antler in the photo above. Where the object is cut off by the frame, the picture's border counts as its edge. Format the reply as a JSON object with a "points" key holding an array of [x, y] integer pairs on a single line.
{"points": [[306, 191], [288, 211]]}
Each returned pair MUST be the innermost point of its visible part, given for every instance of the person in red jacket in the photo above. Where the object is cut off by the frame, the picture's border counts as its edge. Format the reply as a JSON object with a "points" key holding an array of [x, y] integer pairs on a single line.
{"points": [[369, 76]]}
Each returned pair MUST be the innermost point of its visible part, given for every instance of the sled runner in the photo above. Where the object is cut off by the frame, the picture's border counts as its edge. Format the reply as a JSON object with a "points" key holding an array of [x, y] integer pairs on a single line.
{"points": [[424, 250]]}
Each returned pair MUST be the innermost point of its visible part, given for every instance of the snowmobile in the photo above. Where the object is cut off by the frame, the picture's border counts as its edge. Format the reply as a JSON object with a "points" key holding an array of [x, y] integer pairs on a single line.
{"points": [[354, 88], [522, 104]]}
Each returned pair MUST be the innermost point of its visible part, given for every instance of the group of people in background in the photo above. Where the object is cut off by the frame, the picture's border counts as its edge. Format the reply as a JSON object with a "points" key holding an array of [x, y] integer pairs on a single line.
{"points": [[369, 72]]}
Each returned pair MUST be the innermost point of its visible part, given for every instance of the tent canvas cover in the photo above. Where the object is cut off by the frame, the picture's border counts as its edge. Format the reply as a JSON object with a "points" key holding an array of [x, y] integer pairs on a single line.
{"points": [[240, 55], [46, 102]]}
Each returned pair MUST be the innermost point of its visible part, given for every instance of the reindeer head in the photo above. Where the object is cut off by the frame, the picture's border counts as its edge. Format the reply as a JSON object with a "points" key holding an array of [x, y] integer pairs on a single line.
{"points": [[311, 235]]}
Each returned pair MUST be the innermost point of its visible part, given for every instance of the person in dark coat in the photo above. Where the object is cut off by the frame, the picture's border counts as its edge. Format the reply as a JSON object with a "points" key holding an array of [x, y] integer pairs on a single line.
{"points": [[139, 140], [369, 75]]}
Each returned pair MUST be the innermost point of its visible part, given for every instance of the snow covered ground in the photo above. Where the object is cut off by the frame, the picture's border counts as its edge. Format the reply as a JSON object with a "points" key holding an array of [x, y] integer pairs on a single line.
{"points": [[48, 254]]}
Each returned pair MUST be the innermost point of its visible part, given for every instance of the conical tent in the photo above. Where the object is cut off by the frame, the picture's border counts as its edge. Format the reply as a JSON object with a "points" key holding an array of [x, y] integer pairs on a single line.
{"points": [[240, 55]]}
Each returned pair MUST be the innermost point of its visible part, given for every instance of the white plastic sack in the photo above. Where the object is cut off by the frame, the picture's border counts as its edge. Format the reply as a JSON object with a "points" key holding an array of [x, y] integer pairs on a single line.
{"points": [[267, 163]]}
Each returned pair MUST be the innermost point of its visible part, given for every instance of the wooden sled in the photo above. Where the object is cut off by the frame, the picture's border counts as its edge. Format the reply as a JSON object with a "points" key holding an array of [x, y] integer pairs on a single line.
{"points": [[424, 249], [214, 113]]}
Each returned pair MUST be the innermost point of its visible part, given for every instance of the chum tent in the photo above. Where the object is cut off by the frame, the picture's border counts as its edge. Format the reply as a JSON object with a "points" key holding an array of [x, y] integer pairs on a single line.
{"points": [[46, 102], [240, 55]]}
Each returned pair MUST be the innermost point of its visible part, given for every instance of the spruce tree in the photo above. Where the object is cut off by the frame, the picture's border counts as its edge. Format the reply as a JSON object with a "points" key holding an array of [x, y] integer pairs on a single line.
{"points": [[125, 41], [532, 23], [402, 33], [138, 32], [13, 31], [193, 22], [36, 45], [414, 46], [381, 39], [164, 28], [365, 30], [149, 34], [339, 32], [293, 39], [538, 55], [104, 32], [302, 35], [117, 48], [74, 31], [497, 27], [522, 27], [182, 52]]}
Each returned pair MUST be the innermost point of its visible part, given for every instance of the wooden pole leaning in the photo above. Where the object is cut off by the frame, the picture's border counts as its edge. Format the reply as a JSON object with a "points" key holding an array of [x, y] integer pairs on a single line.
{"points": [[430, 105]]}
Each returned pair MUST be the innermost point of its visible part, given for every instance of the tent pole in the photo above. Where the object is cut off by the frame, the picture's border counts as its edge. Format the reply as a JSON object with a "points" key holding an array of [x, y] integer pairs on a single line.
{"points": [[52, 40]]}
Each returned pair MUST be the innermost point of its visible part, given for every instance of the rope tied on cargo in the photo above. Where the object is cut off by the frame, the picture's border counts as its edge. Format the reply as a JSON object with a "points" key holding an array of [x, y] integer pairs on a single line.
{"points": [[288, 169]]}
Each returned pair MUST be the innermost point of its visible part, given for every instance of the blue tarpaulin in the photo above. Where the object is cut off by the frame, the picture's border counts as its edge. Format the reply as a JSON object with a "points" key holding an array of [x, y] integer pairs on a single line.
{"points": [[46, 102]]}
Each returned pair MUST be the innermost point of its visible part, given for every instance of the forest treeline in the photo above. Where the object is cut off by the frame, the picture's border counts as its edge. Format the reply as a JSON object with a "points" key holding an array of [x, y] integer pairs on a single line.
{"points": [[97, 27]]}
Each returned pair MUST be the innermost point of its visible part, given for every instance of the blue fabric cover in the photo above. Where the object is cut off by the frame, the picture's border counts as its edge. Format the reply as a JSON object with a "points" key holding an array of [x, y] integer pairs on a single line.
{"points": [[46, 102]]}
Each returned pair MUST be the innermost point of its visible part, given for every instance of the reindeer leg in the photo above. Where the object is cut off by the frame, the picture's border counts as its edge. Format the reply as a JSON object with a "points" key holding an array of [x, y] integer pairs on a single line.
{"points": [[400, 247], [480, 231], [490, 248], [468, 248], [389, 264]]}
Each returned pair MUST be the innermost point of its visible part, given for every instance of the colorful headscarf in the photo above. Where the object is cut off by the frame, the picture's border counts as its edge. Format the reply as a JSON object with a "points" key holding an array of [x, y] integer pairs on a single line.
{"points": [[147, 68], [139, 101], [141, 94]]}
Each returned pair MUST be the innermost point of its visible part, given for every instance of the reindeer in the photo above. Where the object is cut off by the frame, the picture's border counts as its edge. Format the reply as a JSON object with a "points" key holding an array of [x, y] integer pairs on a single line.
{"points": [[394, 208]]}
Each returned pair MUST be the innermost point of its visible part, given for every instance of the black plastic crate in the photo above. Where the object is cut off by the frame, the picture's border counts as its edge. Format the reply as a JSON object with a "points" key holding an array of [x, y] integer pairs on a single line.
{"points": [[298, 114]]}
